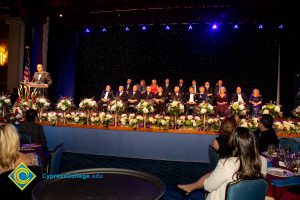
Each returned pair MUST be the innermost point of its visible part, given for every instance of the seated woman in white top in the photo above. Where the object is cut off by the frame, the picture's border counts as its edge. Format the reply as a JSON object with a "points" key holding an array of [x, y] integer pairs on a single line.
{"points": [[244, 163]]}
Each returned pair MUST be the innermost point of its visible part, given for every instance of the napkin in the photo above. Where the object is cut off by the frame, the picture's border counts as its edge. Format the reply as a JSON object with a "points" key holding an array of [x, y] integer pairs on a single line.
{"points": [[287, 182]]}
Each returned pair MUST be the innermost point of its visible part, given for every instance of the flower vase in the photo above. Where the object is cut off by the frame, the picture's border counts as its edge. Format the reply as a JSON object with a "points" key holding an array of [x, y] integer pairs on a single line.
{"points": [[144, 121], [174, 122], [40, 115], [204, 121], [3, 111], [88, 117], [116, 120], [64, 117]]}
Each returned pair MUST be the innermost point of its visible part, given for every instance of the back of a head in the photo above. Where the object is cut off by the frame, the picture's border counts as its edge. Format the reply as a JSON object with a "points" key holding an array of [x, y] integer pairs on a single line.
{"points": [[31, 115], [228, 126], [267, 121], [9, 145], [245, 147]]}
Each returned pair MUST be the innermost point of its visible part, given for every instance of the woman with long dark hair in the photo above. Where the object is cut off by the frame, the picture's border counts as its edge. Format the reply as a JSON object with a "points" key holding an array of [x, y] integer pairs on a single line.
{"points": [[245, 162]]}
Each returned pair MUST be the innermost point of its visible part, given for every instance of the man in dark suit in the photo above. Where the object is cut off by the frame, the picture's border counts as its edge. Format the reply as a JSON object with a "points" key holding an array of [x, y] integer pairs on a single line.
{"points": [[194, 85], [176, 95], [42, 77], [107, 95], [190, 100], [148, 95], [239, 96], [128, 86], [167, 88], [134, 98], [218, 87], [209, 92], [121, 94], [181, 86]]}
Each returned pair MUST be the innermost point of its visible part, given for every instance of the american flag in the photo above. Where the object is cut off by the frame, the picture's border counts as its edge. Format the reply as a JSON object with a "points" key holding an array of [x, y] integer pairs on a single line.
{"points": [[26, 74]]}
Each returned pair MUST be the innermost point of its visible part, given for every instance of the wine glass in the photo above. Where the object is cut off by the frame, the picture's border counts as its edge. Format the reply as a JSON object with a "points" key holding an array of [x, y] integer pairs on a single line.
{"points": [[296, 164]]}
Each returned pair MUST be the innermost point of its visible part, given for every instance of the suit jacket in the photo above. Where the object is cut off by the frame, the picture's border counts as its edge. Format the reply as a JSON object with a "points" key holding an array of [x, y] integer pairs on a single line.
{"points": [[110, 95], [196, 88], [217, 89], [187, 97], [234, 97], [147, 96], [129, 88], [167, 90], [182, 88], [45, 78], [136, 96], [174, 97], [123, 97]]}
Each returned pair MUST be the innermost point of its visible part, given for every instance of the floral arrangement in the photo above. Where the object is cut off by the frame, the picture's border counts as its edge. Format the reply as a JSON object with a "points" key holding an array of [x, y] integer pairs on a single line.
{"points": [[144, 107], [76, 117], [41, 103], [189, 121], [296, 112], [116, 106], [52, 117], [271, 109], [95, 119], [237, 109], [105, 118], [175, 108], [25, 104], [160, 121], [131, 120], [205, 109], [65, 104], [251, 124], [214, 124], [17, 115], [88, 104], [287, 127], [5, 101]]}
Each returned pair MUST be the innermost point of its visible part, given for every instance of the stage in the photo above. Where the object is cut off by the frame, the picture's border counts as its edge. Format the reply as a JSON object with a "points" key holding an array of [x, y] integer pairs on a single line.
{"points": [[144, 143]]}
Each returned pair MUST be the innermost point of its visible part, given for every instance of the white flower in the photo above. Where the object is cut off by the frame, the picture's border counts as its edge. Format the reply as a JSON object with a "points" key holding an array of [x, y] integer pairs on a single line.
{"points": [[243, 112], [235, 105], [241, 107], [203, 111], [265, 112], [123, 115], [181, 107], [182, 117], [7, 101], [145, 110], [163, 122], [131, 115], [189, 117], [139, 117], [151, 120], [76, 119], [210, 121], [145, 104], [264, 107], [167, 118], [3, 97], [197, 118], [277, 109]]}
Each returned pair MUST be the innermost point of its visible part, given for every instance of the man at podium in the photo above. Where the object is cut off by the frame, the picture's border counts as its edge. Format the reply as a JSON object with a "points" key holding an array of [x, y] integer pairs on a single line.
{"points": [[42, 77]]}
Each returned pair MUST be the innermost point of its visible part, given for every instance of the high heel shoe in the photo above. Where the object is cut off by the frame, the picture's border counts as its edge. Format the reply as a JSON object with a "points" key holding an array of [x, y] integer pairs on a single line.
{"points": [[183, 192]]}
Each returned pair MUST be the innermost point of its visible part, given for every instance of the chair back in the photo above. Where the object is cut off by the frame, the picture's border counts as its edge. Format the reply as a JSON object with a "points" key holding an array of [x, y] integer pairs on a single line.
{"points": [[292, 144], [247, 189], [213, 158], [56, 159]]}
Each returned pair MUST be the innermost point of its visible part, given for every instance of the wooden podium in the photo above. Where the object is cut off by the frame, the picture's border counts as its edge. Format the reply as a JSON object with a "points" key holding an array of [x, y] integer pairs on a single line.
{"points": [[39, 87]]}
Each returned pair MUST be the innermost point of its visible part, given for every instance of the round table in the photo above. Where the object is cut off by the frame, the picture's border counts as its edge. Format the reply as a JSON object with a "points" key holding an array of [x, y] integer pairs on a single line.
{"points": [[102, 183]]}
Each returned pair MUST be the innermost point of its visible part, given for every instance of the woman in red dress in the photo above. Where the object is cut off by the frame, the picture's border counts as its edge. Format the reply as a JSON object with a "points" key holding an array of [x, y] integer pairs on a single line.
{"points": [[154, 86]]}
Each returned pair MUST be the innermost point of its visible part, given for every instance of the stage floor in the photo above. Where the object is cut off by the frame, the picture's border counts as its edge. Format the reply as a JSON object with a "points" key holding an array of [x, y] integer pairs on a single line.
{"points": [[173, 145]]}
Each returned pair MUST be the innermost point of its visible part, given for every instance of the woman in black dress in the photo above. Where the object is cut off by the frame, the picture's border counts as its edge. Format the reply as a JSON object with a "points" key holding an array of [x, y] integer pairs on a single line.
{"points": [[159, 101], [255, 102]]}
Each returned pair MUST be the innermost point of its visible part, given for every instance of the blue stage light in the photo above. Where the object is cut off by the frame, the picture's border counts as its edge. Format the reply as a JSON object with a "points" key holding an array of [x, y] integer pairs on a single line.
{"points": [[280, 26], [260, 26], [167, 27], [214, 27], [144, 28], [126, 28], [87, 30], [236, 26], [190, 27], [103, 29]]}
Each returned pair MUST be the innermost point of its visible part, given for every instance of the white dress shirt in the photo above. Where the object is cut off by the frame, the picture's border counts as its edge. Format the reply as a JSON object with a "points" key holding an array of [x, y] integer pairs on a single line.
{"points": [[191, 98], [106, 95], [39, 76], [216, 183], [240, 99]]}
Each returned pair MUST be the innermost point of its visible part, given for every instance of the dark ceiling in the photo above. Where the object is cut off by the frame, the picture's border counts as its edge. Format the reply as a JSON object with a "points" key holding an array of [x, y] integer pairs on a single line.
{"points": [[78, 12]]}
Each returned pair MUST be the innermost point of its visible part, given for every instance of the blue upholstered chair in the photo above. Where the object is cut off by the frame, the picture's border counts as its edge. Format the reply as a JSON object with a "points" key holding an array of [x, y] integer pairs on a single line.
{"points": [[292, 144], [247, 189], [56, 155], [213, 158]]}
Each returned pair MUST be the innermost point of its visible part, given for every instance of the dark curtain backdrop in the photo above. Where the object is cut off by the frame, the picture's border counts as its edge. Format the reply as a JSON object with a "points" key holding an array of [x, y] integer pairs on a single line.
{"points": [[62, 57], [247, 57]]}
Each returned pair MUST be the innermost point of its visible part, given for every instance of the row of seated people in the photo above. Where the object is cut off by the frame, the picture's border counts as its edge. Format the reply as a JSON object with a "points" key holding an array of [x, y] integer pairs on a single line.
{"points": [[190, 99]]}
